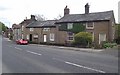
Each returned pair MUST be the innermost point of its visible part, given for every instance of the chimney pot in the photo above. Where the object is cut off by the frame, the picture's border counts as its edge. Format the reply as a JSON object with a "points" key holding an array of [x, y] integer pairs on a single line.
{"points": [[87, 8], [66, 10], [33, 17]]}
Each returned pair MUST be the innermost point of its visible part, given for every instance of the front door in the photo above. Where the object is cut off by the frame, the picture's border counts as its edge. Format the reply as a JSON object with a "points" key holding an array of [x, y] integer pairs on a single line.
{"points": [[30, 37], [45, 38], [102, 37]]}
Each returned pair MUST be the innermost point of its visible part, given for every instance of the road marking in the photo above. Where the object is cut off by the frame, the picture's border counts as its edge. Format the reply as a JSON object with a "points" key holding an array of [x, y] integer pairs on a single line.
{"points": [[33, 52], [18, 48], [84, 67]]}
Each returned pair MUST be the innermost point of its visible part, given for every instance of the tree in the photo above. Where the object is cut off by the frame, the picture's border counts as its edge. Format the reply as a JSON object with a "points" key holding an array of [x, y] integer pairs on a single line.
{"points": [[117, 33], [40, 17], [2, 27], [83, 39], [58, 17]]}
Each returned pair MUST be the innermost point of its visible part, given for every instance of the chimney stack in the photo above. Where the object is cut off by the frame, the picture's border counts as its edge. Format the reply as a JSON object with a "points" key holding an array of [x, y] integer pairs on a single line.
{"points": [[32, 17], [87, 8], [66, 11]]}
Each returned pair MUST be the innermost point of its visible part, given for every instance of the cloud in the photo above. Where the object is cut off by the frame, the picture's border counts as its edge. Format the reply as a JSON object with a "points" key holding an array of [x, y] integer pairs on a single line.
{"points": [[3, 8]]}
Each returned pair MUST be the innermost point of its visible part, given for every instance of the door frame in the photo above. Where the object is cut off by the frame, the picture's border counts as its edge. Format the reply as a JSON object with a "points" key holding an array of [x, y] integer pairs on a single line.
{"points": [[44, 38], [30, 37]]}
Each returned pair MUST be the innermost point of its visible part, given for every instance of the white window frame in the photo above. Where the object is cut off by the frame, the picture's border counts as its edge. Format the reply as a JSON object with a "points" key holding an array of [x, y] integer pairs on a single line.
{"points": [[70, 36], [27, 36], [31, 29], [100, 38], [35, 35], [46, 29], [52, 37], [87, 27], [112, 24], [22, 27], [22, 36], [69, 25]]}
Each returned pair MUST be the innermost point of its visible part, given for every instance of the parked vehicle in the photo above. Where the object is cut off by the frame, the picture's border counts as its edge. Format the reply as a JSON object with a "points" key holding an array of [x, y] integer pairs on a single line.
{"points": [[22, 42]]}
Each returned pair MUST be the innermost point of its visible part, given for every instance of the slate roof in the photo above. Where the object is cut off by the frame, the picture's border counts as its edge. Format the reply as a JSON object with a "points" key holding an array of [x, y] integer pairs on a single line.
{"points": [[98, 16], [14, 26], [27, 21], [37, 24]]}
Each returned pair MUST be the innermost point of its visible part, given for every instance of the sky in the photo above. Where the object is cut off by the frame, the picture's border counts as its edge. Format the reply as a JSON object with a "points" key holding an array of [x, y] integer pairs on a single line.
{"points": [[15, 11]]}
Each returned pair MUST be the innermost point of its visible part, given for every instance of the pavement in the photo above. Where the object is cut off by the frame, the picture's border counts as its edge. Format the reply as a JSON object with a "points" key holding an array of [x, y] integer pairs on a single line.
{"points": [[113, 51], [70, 48], [108, 51]]}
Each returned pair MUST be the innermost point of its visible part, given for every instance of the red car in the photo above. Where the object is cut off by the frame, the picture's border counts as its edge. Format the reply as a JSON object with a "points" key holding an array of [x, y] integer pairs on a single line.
{"points": [[22, 42]]}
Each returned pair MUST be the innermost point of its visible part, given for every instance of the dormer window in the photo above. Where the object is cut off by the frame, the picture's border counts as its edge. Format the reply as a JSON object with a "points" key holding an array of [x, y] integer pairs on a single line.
{"points": [[90, 25]]}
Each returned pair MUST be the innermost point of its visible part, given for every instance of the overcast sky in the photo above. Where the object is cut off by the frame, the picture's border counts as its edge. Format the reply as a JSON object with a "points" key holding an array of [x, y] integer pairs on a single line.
{"points": [[15, 11]]}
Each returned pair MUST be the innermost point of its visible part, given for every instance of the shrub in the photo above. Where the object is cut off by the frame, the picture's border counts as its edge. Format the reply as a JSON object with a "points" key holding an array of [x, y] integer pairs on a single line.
{"points": [[108, 44], [83, 39]]}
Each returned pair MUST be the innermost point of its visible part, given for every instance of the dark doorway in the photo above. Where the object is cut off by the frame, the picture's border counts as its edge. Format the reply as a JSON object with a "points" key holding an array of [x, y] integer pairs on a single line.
{"points": [[30, 37]]}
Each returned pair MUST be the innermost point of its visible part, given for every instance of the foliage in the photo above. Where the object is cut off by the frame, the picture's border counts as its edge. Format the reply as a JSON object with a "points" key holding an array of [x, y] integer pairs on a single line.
{"points": [[63, 27], [2, 27], [117, 32], [117, 29], [83, 38], [40, 17], [58, 17], [77, 27], [108, 44]]}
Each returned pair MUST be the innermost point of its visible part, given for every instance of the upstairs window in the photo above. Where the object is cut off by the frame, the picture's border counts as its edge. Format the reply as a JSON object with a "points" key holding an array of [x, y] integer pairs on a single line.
{"points": [[90, 25], [31, 29], [22, 28], [46, 29], [69, 25]]}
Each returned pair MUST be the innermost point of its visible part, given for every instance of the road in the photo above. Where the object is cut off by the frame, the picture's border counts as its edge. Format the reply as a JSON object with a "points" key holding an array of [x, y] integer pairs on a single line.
{"points": [[38, 59]]}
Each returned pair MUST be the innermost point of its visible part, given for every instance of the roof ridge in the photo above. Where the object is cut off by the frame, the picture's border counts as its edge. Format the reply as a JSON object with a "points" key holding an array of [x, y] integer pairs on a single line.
{"points": [[93, 12]]}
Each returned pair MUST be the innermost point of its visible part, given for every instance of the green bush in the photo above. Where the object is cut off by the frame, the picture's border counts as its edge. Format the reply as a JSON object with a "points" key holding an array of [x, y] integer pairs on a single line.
{"points": [[83, 39], [108, 45]]}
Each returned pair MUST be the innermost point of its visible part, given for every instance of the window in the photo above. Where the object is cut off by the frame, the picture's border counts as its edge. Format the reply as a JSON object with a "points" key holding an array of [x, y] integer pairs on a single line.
{"points": [[90, 25], [31, 29], [70, 36], [69, 25], [113, 24], [102, 37], [35, 36], [27, 36], [22, 28], [46, 29], [22, 36], [52, 36]]}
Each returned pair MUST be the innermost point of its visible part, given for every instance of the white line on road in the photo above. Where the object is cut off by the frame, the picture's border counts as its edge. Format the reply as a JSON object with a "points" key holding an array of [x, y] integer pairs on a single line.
{"points": [[18, 48], [81, 66], [33, 52], [84, 67]]}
